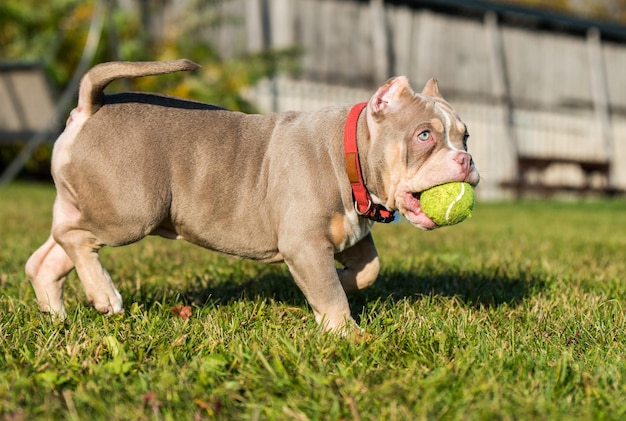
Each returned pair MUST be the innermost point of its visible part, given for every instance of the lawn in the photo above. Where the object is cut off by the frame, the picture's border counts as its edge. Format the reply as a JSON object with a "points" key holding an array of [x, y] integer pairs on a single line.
{"points": [[517, 313]]}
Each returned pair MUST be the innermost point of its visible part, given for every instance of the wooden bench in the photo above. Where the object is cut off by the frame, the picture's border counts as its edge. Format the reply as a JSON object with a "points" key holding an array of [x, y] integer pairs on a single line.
{"points": [[27, 103], [529, 164]]}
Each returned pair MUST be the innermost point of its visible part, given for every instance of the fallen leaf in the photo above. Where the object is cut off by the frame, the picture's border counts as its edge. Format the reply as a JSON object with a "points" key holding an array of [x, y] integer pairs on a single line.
{"points": [[184, 312]]}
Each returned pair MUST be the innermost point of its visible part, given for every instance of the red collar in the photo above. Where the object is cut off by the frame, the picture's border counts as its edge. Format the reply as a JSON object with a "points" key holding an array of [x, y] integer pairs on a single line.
{"points": [[362, 199]]}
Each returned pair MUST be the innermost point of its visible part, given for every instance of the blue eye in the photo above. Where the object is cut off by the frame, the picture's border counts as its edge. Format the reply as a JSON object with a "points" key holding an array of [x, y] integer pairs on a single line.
{"points": [[424, 136]]}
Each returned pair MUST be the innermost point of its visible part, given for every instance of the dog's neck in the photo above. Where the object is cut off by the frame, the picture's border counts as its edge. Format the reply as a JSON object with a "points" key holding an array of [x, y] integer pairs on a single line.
{"points": [[363, 201]]}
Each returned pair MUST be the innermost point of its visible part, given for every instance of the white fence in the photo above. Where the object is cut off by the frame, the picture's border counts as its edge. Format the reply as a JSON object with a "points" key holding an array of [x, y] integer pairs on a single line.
{"points": [[522, 91]]}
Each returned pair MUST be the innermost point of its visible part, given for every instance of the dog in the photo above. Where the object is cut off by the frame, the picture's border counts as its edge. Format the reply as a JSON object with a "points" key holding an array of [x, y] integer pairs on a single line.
{"points": [[298, 187]]}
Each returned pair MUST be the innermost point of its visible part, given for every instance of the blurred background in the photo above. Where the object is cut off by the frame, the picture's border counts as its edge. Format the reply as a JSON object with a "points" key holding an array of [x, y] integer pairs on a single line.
{"points": [[540, 84]]}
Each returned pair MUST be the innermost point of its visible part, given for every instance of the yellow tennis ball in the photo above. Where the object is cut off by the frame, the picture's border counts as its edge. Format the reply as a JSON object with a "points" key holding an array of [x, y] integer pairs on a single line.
{"points": [[448, 204]]}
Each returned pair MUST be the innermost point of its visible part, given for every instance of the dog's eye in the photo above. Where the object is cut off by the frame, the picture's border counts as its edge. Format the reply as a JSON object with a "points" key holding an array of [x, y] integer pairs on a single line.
{"points": [[465, 137], [424, 136]]}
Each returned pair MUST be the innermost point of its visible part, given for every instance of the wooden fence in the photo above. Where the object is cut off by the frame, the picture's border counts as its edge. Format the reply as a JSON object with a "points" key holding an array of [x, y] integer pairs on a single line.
{"points": [[546, 110]]}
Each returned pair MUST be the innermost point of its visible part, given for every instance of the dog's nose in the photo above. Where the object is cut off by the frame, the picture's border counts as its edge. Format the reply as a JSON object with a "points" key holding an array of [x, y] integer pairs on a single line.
{"points": [[465, 161]]}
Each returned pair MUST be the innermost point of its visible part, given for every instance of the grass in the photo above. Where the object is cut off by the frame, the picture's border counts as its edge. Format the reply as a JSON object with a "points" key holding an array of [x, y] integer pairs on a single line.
{"points": [[517, 313]]}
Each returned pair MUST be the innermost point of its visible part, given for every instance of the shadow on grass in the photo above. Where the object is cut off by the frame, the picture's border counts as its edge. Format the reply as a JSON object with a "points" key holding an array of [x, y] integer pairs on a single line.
{"points": [[476, 289], [473, 288]]}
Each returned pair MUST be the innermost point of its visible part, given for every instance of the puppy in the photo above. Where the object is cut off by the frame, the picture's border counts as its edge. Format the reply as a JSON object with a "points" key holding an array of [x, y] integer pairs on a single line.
{"points": [[303, 188]]}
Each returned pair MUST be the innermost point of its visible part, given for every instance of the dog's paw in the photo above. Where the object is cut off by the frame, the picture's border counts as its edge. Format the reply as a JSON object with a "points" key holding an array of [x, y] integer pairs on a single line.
{"points": [[108, 305], [359, 335], [110, 310], [349, 329], [57, 313]]}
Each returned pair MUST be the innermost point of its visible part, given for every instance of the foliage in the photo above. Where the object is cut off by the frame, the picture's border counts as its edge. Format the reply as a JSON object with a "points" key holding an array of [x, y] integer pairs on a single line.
{"points": [[517, 313], [54, 33], [31, 31]]}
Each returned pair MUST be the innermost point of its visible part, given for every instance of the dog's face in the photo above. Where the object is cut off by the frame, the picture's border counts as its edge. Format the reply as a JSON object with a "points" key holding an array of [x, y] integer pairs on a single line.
{"points": [[424, 144]]}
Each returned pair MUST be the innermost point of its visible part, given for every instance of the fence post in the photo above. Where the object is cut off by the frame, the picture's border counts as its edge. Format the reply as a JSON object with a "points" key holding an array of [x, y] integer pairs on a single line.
{"points": [[501, 87], [255, 26], [380, 41], [600, 94]]}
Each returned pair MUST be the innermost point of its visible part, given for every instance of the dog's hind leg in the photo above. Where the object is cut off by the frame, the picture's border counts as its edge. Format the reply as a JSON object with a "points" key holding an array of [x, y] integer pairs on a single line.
{"points": [[361, 265], [82, 246], [47, 269]]}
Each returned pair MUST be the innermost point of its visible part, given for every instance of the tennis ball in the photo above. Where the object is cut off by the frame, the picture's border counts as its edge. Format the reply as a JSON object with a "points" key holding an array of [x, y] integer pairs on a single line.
{"points": [[448, 204]]}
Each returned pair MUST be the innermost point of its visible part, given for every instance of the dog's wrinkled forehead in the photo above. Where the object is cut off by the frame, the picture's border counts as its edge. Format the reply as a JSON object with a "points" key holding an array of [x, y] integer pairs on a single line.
{"points": [[444, 119]]}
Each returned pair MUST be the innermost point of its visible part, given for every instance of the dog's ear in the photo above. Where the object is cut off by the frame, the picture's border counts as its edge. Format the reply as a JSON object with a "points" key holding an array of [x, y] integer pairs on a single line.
{"points": [[431, 88], [389, 96]]}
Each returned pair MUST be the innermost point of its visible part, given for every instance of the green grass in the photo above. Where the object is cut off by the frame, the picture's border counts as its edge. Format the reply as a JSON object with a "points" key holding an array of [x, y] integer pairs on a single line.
{"points": [[518, 313]]}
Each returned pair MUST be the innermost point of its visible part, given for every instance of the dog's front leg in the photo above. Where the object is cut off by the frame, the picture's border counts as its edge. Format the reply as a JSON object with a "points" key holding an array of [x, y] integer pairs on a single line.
{"points": [[360, 265], [314, 271]]}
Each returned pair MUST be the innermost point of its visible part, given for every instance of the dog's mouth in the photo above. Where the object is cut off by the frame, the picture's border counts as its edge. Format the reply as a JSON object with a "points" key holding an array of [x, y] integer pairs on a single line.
{"points": [[413, 211]]}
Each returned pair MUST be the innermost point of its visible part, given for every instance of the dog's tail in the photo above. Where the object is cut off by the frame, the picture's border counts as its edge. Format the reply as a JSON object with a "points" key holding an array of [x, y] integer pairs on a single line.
{"points": [[91, 95]]}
